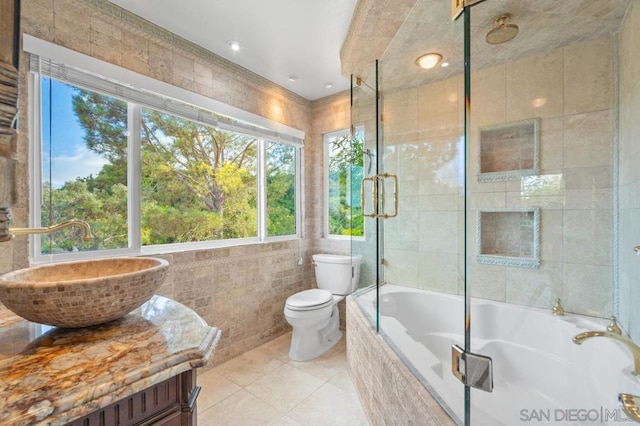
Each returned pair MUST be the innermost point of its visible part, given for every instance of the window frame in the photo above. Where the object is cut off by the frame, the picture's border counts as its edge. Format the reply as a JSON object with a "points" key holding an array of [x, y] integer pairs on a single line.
{"points": [[273, 133]]}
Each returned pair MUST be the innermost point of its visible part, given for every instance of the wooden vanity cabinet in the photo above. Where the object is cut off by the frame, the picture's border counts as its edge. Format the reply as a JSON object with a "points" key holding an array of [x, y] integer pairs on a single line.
{"points": [[168, 403]]}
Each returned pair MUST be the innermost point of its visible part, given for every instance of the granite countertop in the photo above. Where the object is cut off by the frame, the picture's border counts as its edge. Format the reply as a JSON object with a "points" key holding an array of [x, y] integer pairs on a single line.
{"points": [[51, 376]]}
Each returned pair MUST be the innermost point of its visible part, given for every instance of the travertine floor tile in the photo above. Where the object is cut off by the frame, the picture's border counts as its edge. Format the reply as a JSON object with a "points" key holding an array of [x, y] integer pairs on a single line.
{"points": [[215, 388], [248, 367], [278, 348], [330, 406], [240, 409], [264, 387], [343, 381], [284, 387], [286, 421], [326, 366]]}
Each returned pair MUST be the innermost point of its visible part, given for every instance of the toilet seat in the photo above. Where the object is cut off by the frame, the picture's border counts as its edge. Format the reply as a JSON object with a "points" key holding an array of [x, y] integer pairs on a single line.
{"points": [[308, 300]]}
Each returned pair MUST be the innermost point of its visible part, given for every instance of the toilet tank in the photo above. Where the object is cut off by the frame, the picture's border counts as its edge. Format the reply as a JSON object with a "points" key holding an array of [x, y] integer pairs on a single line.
{"points": [[337, 273]]}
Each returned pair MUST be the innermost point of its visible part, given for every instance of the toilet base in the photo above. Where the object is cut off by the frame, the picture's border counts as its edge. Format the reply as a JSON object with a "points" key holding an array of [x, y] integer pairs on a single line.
{"points": [[308, 343]]}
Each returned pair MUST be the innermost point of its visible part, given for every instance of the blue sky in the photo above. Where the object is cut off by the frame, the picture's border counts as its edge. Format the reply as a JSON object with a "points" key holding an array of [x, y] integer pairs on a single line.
{"points": [[69, 156]]}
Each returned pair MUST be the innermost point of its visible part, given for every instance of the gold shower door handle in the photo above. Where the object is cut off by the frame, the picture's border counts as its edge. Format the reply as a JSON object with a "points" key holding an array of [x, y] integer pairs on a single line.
{"points": [[374, 196], [378, 181], [382, 178]]}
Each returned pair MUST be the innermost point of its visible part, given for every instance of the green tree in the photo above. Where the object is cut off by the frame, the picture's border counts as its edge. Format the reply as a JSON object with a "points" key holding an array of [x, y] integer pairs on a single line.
{"points": [[106, 211], [345, 174], [191, 165], [198, 183], [281, 189]]}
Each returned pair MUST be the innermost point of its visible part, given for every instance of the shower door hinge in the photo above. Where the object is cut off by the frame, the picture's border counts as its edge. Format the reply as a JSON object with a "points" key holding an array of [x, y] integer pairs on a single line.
{"points": [[472, 369], [457, 6]]}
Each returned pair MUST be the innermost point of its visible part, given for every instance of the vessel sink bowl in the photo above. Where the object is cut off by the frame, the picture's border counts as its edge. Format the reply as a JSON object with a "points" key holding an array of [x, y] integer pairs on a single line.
{"points": [[82, 293]]}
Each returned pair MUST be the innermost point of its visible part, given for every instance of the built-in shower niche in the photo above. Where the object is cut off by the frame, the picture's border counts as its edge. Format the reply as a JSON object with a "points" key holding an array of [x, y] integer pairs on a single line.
{"points": [[509, 151], [509, 237]]}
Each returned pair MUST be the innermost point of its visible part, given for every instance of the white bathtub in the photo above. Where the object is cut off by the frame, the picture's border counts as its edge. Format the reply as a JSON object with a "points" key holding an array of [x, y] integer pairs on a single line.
{"points": [[540, 375]]}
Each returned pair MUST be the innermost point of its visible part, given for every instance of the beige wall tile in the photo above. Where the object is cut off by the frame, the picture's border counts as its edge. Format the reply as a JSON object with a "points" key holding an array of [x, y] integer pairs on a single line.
{"points": [[437, 230], [400, 112], [599, 177], [587, 289], [401, 232], [400, 267], [588, 237], [535, 81], [588, 139], [439, 272], [588, 76], [551, 144], [538, 288], [489, 96], [487, 281], [551, 236], [439, 112], [440, 156]]}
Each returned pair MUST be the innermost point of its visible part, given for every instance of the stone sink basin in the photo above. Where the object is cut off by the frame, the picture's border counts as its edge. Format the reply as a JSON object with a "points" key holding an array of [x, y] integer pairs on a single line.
{"points": [[82, 293]]}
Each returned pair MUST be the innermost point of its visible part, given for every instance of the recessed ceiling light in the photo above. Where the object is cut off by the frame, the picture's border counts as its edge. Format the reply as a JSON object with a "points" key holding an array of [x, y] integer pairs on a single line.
{"points": [[234, 45], [444, 64], [429, 60], [328, 85], [293, 77]]}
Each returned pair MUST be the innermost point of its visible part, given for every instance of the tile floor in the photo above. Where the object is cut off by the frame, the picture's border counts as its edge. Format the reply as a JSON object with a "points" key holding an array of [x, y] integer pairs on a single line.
{"points": [[264, 387]]}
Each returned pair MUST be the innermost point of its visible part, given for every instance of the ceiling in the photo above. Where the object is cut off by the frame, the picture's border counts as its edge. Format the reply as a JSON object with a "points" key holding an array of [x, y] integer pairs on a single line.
{"points": [[281, 38], [278, 38], [544, 25]]}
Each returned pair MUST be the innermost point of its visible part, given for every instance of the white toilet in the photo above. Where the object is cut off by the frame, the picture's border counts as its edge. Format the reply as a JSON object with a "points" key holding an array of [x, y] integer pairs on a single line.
{"points": [[313, 314]]}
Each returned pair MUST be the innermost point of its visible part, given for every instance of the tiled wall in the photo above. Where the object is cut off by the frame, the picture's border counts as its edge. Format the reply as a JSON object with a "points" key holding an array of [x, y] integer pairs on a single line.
{"points": [[629, 172], [241, 289], [571, 91]]}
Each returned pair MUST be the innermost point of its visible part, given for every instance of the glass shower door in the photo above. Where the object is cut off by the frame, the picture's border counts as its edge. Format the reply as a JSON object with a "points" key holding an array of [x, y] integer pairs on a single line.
{"points": [[365, 166], [539, 208]]}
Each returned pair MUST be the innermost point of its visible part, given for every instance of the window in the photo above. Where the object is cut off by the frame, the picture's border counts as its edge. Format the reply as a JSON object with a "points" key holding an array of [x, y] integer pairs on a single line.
{"points": [[148, 172], [344, 173], [281, 189], [198, 183], [84, 172]]}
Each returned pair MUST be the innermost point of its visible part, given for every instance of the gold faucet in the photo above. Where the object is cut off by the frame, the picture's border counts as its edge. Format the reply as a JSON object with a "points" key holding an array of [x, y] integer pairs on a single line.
{"points": [[557, 308], [635, 349], [86, 229]]}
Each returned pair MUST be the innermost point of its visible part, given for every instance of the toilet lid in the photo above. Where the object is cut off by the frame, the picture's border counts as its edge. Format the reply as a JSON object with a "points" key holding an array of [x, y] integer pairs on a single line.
{"points": [[314, 298]]}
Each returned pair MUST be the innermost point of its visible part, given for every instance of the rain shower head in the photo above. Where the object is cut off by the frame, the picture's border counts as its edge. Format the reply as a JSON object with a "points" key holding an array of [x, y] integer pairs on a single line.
{"points": [[503, 32]]}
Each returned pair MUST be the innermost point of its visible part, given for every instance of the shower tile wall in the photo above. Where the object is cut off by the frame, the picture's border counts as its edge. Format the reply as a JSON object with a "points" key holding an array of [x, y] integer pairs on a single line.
{"points": [[571, 91], [629, 172]]}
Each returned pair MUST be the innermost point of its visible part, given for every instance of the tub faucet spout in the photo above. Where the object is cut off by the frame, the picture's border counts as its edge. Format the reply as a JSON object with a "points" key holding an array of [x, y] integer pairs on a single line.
{"points": [[635, 349]]}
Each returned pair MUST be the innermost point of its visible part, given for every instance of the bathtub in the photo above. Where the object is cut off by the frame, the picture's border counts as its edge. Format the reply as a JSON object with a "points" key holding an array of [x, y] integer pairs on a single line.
{"points": [[540, 375]]}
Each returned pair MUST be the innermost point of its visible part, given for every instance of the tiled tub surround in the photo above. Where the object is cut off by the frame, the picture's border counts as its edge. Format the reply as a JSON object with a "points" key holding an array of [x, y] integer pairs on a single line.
{"points": [[53, 376], [389, 392], [535, 363], [574, 190]]}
